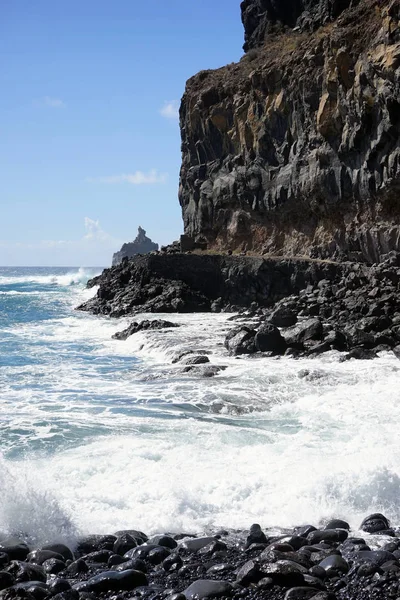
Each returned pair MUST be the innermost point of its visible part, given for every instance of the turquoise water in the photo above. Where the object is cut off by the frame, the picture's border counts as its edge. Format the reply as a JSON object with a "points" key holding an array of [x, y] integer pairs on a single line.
{"points": [[97, 434]]}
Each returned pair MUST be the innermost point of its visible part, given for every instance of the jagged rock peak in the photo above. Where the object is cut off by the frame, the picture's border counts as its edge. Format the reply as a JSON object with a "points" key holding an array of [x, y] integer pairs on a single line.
{"points": [[261, 17], [141, 245]]}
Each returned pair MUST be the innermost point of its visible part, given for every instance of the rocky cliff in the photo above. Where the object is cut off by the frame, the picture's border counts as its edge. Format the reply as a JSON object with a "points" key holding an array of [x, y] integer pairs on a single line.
{"points": [[295, 149], [141, 245]]}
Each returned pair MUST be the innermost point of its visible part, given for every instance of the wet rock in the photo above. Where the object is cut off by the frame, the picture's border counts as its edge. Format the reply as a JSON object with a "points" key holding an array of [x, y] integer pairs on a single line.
{"points": [[283, 574], [23, 571], [164, 540], [310, 329], [38, 557], [256, 536], [241, 340], [113, 581], [172, 563], [139, 536], [15, 551], [52, 566], [6, 580], [283, 317], [196, 544], [205, 588], [62, 549], [195, 360], [249, 573], [327, 535], [77, 567], [337, 524], [269, 339], [133, 328], [123, 543], [94, 543], [301, 593], [334, 563], [374, 523]]}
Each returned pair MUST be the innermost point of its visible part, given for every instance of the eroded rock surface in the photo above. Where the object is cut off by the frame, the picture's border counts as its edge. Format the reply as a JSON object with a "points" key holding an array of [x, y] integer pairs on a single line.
{"points": [[141, 245], [295, 149]]}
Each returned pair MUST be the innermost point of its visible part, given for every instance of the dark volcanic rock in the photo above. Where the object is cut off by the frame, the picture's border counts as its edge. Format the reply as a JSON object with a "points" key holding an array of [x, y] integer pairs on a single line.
{"points": [[140, 245], [294, 150], [113, 581], [206, 588], [241, 340], [143, 326], [268, 339], [375, 523], [191, 282]]}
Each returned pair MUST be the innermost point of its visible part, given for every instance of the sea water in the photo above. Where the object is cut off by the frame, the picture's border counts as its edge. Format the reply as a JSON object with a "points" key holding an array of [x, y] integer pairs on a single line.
{"points": [[99, 434]]}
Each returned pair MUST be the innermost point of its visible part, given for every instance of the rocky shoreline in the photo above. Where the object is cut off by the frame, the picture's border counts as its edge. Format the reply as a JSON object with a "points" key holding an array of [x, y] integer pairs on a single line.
{"points": [[308, 562], [291, 307]]}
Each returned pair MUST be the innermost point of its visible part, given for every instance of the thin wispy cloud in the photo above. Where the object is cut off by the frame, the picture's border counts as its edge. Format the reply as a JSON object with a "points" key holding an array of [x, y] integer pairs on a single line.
{"points": [[95, 246], [54, 102], [170, 110], [138, 178]]}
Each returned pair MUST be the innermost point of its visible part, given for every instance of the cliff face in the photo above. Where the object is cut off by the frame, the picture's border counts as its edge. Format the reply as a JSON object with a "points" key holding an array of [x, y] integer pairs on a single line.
{"points": [[140, 245], [295, 150]]}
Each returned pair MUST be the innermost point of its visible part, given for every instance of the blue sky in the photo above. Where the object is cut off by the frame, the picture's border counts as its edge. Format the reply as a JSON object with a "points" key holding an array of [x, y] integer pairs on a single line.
{"points": [[89, 139]]}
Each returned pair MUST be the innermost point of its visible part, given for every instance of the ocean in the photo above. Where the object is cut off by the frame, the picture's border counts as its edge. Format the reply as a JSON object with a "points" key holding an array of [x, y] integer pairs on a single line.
{"points": [[99, 435]]}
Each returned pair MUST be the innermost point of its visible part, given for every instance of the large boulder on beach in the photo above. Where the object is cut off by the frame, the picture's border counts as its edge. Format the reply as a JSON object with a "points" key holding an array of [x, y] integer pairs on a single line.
{"points": [[269, 339], [308, 330], [375, 523], [241, 340]]}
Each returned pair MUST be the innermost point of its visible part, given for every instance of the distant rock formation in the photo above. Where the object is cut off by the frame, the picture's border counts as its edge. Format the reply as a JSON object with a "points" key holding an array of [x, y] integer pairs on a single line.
{"points": [[141, 245]]}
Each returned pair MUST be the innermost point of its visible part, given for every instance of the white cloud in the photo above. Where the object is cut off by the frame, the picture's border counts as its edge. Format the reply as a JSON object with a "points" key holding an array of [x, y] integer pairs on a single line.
{"points": [[137, 178], [54, 102], [170, 110], [94, 232]]}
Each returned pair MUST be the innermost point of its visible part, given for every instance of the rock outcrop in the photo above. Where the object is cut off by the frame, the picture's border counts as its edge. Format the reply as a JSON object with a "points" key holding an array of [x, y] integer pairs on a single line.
{"points": [[140, 245], [295, 150], [184, 283]]}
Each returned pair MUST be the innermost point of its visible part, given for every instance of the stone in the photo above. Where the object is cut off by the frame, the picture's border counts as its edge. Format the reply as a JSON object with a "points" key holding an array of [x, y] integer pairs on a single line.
{"points": [[15, 552], [249, 573], [241, 340], [374, 523], [327, 535], [123, 543], [269, 339], [283, 317], [206, 588], [334, 563], [256, 536], [301, 593], [146, 325], [311, 329], [164, 540], [6, 580], [112, 581], [61, 549], [196, 544]]}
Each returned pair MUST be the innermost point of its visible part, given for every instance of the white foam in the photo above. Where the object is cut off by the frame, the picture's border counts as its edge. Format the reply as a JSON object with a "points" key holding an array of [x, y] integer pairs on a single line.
{"points": [[74, 277], [277, 441]]}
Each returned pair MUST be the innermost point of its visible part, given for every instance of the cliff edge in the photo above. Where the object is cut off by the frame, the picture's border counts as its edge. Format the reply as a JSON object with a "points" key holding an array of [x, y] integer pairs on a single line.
{"points": [[295, 149]]}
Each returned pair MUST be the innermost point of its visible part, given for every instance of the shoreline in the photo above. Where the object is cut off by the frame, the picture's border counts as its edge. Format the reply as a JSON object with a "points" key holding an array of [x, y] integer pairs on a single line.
{"points": [[326, 563]]}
